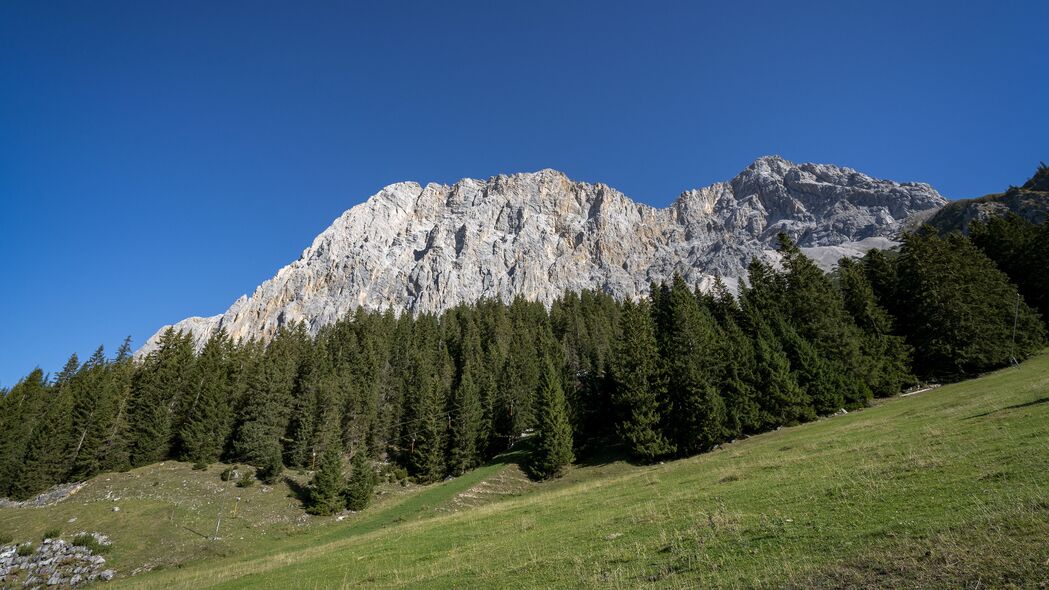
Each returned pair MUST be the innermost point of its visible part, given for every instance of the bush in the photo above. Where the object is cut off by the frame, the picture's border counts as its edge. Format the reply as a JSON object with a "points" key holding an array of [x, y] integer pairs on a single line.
{"points": [[200, 466], [88, 541], [52, 533], [229, 473], [5, 539], [246, 481], [25, 549]]}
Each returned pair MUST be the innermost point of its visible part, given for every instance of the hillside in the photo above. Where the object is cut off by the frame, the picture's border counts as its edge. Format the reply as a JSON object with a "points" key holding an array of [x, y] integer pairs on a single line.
{"points": [[426, 249], [945, 488], [1030, 201]]}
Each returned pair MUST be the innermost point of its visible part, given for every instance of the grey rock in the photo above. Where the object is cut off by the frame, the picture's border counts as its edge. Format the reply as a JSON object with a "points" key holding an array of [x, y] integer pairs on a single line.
{"points": [[107, 575], [418, 249]]}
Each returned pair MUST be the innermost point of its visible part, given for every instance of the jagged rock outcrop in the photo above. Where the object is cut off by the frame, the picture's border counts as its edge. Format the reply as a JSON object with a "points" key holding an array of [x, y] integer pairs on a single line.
{"points": [[428, 248], [1030, 201]]}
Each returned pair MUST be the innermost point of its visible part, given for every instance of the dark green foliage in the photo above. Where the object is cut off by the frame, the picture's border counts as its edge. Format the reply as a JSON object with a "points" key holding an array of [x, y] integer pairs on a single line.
{"points": [[691, 343], [1020, 249], [203, 433], [640, 387], [887, 356], [466, 424], [958, 310], [553, 438], [427, 436], [160, 389], [328, 483], [25, 550], [361, 485], [47, 456]]}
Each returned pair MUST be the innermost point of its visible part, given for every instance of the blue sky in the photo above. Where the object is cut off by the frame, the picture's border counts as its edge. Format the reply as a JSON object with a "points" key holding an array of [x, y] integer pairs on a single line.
{"points": [[157, 160]]}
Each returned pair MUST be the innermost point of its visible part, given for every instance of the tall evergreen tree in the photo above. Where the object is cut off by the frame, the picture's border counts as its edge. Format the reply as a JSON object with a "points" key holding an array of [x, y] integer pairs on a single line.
{"points": [[426, 457], [958, 310], [466, 424], [203, 433], [640, 387], [23, 408], [361, 485], [47, 456], [328, 483], [697, 413], [553, 440], [160, 389]]}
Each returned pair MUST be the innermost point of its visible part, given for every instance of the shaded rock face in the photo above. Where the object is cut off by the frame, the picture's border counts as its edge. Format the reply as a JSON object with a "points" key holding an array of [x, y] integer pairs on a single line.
{"points": [[428, 248]]}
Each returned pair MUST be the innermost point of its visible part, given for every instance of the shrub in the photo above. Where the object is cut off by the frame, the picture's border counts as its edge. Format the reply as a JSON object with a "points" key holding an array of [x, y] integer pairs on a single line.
{"points": [[200, 466], [5, 539], [25, 549], [52, 533], [88, 541], [229, 473], [246, 481]]}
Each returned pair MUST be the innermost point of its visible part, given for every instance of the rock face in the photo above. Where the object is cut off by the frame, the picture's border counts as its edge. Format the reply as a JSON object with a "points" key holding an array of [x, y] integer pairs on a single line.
{"points": [[55, 563], [1030, 201], [428, 248]]}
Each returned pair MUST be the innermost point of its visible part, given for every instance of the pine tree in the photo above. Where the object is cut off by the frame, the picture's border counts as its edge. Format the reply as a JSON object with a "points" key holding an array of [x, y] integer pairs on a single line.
{"points": [[958, 310], [113, 453], [361, 485], [203, 434], [887, 355], [23, 408], [466, 424], [640, 387], [93, 414], [695, 359], [553, 441], [47, 458], [160, 388], [328, 483], [781, 399], [426, 458]]}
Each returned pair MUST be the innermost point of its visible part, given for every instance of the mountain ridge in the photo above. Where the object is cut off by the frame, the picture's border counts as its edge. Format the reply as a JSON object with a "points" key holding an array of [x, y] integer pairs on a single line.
{"points": [[426, 248]]}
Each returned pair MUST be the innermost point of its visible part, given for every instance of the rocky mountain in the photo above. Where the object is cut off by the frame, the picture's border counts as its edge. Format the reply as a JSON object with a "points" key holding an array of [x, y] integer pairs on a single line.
{"points": [[1030, 201], [428, 248]]}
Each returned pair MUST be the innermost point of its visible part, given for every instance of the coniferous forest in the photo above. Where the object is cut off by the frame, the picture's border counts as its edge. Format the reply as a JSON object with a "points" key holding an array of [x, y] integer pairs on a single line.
{"points": [[671, 375]]}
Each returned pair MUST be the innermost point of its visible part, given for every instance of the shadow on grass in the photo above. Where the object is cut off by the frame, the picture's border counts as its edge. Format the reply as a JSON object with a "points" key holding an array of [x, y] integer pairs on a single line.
{"points": [[1044, 400], [300, 491]]}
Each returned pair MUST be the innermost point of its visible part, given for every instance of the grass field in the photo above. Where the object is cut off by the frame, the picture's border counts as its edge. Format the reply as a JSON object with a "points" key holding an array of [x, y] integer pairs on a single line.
{"points": [[947, 488]]}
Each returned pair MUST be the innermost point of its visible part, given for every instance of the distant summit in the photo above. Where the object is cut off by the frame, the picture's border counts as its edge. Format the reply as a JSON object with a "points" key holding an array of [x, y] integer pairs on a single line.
{"points": [[537, 235]]}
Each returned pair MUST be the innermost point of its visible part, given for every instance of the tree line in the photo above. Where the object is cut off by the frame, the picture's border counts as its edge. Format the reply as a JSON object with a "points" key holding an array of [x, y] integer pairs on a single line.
{"points": [[670, 375]]}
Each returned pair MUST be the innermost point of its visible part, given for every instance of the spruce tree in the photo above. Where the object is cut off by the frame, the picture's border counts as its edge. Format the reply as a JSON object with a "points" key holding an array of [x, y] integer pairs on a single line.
{"points": [[426, 457], [47, 457], [466, 424], [695, 359], [553, 439], [958, 310], [23, 409], [361, 485], [203, 433], [888, 357], [93, 414], [640, 387], [328, 483]]}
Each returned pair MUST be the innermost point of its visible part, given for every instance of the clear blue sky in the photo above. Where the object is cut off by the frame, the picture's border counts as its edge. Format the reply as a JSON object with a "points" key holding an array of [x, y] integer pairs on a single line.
{"points": [[159, 159]]}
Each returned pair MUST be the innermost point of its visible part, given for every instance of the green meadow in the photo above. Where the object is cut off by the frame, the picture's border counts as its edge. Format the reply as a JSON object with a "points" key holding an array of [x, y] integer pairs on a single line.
{"points": [[945, 488]]}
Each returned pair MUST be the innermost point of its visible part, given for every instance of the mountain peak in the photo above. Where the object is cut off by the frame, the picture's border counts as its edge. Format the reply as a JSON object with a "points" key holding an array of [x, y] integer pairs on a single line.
{"points": [[539, 234]]}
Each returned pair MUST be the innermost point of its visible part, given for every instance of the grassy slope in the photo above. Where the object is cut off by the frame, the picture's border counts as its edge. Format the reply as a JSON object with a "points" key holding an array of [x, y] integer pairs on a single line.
{"points": [[948, 488]]}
